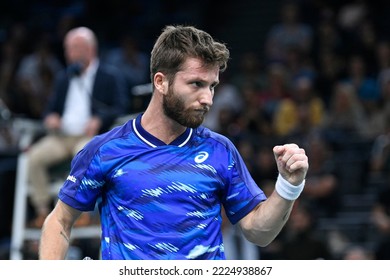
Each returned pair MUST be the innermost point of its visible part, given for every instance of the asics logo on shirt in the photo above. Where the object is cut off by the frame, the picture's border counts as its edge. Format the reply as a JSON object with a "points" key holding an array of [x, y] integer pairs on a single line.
{"points": [[201, 157], [71, 178]]}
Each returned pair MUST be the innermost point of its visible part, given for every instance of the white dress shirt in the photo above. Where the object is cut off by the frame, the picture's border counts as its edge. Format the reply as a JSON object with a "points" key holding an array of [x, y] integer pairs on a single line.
{"points": [[77, 109]]}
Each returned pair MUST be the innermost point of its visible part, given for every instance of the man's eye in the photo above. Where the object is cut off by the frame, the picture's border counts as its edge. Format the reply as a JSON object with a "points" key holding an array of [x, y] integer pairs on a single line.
{"points": [[197, 84]]}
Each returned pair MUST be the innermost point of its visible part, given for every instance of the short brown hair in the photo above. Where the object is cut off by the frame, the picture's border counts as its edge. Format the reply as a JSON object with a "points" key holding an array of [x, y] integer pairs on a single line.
{"points": [[177, 43]]}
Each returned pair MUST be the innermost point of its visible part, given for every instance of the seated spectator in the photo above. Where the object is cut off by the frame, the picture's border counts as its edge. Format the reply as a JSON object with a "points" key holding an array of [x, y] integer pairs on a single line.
{"points": [[87, 98]]}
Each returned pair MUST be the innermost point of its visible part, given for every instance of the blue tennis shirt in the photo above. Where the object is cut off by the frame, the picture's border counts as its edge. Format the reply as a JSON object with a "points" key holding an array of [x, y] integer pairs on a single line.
{"points": [[160, 201]]}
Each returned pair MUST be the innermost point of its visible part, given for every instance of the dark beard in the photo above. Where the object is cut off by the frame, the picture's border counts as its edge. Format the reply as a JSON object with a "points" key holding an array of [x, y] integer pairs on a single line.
{"points": [[174, 108]]}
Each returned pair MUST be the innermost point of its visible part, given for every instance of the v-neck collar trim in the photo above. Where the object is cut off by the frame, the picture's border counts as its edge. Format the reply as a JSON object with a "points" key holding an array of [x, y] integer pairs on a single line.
{"points": [[154, 142]]}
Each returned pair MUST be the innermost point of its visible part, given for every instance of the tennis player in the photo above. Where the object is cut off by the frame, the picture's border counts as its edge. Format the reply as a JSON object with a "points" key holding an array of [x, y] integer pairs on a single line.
{"points": [[161, 179]]}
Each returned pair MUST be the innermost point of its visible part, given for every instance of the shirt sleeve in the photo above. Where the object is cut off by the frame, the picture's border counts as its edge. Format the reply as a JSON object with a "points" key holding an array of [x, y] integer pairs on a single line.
{"points": [[242, 194], [85, 181]]}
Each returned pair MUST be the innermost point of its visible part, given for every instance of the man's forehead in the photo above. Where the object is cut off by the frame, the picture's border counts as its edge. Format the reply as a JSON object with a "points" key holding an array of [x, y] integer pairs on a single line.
{"points": [[195, 66]]}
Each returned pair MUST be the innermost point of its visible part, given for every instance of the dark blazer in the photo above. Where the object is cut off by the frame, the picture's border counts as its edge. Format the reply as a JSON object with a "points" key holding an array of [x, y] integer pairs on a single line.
{"points": [[108, 98]]}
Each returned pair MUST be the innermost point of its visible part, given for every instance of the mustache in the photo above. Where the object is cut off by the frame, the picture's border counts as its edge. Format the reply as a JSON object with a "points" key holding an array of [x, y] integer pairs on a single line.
{"points": [[204, 108]]}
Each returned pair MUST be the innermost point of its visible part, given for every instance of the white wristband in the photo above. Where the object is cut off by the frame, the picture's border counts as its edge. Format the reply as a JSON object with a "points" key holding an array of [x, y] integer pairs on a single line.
{"points": [[287, 190]]}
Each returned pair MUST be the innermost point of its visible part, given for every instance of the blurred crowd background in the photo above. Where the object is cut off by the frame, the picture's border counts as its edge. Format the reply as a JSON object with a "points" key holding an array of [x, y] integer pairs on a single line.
{"points": [[312, 72]]}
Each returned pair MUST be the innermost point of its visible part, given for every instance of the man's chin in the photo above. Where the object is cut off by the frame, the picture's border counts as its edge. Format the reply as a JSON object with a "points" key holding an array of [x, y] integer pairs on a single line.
{"points": [[192, 120], [195, 122]]}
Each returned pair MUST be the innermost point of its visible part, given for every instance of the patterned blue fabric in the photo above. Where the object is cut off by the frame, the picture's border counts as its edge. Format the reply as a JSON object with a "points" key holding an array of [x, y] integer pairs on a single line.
{"points": [[161, 201]]}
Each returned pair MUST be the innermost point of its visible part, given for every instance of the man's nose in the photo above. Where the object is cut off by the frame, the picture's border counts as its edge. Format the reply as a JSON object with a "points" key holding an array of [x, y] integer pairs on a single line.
{"points": [[207, 97]]}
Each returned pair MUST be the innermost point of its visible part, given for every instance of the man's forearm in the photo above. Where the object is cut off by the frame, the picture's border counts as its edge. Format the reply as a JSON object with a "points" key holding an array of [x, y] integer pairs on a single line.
{"points": [[54, 242], [265, 222]]}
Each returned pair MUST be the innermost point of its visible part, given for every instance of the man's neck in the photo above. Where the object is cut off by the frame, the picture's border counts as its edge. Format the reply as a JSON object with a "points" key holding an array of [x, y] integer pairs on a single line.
{"points": [[155, 122]]}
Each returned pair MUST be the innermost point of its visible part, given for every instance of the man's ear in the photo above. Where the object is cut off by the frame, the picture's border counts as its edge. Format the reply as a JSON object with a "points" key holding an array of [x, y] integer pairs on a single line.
{"points": [[161, 82]]}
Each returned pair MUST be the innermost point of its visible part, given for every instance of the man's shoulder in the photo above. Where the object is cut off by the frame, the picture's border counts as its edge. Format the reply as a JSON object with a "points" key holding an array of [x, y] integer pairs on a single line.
{"points": [[115, 133], [205, 132]]}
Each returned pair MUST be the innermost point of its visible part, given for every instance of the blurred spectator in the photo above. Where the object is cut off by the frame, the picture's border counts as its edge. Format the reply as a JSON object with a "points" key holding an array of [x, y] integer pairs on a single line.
{"points": [[369, 95], [88, 97], [134, 65], [289, 33], [299, 64], [366, 85], [351, 14], [303, 110], [276, 88], [35, 78], [345, 114]]}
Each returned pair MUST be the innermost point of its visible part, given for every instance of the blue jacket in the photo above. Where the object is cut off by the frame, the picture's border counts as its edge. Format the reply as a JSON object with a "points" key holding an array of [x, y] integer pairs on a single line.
{"points": [[109, 95]]}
